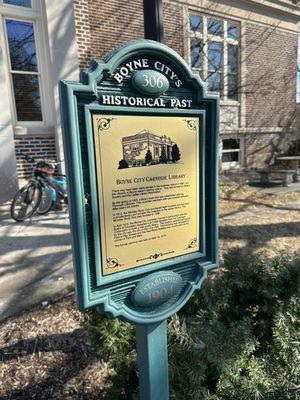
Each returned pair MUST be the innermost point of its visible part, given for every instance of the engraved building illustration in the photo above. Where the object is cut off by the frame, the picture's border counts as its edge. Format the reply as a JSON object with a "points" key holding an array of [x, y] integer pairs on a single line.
{"points": [[135, 147]]}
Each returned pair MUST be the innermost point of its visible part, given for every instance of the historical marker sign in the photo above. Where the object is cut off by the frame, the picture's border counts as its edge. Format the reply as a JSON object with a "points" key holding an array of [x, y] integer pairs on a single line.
{"points": [[141, 152], [148, 188]]}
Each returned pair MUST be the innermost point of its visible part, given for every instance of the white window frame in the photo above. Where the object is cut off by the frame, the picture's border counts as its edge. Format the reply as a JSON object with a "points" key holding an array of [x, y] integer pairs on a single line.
{"points": [[33, 15], [205, 37], [233, 164]]}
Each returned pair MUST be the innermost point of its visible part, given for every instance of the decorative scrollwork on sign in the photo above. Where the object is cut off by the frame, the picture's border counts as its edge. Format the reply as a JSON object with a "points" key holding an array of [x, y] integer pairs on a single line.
{"points": [[104, 124], [155, 256], [191, 124], [113, 263], [192, 243]]}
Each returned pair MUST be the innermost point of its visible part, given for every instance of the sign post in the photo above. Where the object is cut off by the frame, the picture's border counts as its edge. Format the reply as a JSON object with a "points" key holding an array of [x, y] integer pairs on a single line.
{"points": [[141, 150], [153, 20], [152, 354]]}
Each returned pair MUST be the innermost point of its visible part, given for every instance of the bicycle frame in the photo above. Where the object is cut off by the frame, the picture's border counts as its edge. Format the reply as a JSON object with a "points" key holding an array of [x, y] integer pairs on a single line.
{"points": [[36, 191], [57, 184]]}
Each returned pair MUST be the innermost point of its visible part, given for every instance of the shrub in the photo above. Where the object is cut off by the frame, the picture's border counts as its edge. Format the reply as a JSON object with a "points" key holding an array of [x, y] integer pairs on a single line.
{"points": [[123, 164], [148, 157], [163, 156], [175, 153], [238, 338]]}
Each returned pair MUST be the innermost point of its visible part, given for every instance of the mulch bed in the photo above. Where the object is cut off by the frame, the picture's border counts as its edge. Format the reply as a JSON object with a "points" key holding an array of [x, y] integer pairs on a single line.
{"points": [[46, 353]]}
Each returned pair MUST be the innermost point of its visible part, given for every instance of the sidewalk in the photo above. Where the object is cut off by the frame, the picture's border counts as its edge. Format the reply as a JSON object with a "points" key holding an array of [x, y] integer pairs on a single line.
{"points": [[36, 257], [35, 260]]}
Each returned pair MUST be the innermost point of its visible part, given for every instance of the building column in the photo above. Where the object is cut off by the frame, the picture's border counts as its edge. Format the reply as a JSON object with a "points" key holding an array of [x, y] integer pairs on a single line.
{"points": [[8, 165], [59, 15]]}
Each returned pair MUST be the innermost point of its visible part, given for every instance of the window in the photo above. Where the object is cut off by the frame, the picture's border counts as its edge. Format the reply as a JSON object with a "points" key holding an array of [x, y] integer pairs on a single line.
{"points": [[214, 53], [26, 62], [24, 70], [231, 153], [21, 3]]}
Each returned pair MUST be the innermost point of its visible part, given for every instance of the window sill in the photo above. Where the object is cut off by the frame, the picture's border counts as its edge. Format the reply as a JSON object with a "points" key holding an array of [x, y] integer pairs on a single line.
{"points": [[34, 130], [229, 103], [230, 165]]}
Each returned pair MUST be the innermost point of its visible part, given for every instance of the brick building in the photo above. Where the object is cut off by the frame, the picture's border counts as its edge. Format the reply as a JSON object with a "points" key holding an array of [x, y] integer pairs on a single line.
{"points": [[244, 50], [135, 147]]}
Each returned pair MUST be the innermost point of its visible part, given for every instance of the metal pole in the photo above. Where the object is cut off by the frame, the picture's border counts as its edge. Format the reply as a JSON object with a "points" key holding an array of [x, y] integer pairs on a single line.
{"points": [[153, 20], [151, 340], [152, 355]]}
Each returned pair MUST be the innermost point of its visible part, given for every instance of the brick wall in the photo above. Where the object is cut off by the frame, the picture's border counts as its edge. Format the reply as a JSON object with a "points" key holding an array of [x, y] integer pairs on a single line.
{"points": [[36, 146], [101, 26], [270, 58], [83, 34], [262, 148], [173, 27]]}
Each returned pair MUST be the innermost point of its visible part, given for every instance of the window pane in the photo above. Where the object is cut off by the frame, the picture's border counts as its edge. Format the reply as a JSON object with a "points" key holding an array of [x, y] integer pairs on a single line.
{"points": [[230, 157], [214, 82], [229, 144], [196, 53], [27, 97], [214, 27], [233, 89], [21, 45], [195, 23], [214, 56], [232, 32], [232, 59], [22, 3]]}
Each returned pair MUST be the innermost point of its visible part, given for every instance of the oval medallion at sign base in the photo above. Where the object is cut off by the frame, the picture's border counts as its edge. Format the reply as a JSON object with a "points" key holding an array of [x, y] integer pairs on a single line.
{"points": [[156, 289], [150, 82]]}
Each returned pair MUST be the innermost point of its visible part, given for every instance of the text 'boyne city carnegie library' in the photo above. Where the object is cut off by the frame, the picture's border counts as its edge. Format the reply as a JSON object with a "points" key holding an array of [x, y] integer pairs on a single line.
{"points": [[149, 179], [131, 66]]}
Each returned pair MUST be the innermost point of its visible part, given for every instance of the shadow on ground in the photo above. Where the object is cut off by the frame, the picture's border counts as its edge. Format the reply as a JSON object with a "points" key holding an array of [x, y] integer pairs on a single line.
{"points": [[36, 261]]}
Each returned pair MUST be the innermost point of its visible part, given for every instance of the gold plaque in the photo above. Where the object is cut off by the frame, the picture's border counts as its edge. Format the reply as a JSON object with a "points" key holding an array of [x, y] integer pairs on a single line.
{"points": [[148, 186]]}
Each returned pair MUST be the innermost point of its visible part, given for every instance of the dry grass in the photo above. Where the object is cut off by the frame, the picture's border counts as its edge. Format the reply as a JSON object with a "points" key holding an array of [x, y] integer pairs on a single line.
{"points": [[258, 222]]}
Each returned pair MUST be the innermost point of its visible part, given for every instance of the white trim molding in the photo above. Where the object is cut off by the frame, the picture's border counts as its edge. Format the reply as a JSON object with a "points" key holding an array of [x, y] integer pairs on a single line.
{"points": [[263, 12], [62, 44], [32, 15]]}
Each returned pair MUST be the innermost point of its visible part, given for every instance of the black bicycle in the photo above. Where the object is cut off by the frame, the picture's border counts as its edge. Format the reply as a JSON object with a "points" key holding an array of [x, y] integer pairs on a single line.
{"points": [[44, 189]]}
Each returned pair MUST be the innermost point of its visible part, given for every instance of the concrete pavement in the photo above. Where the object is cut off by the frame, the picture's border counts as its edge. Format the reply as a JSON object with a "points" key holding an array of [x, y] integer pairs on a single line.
{"points": [[35, 260], [36, 257]]}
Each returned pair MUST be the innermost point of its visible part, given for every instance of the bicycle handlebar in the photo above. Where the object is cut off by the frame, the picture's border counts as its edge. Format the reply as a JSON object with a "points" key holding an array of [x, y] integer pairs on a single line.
{"points": [[28, 158], [31, 159]]}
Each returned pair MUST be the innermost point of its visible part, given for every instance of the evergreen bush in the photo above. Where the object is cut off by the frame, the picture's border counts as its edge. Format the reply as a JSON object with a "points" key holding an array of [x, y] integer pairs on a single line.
{"points": [[123, 164], [163, 156], [175, 153], [238, 338], [148, 157]]}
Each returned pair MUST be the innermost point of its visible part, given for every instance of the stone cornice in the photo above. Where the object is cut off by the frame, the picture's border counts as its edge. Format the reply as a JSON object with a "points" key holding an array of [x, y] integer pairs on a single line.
{"points": [[282, 14], [286, 6]]}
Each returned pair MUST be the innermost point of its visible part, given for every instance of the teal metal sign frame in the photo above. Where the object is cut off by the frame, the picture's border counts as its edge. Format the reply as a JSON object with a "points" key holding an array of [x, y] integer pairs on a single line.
{"points": [[112, 294], [140, 79]]}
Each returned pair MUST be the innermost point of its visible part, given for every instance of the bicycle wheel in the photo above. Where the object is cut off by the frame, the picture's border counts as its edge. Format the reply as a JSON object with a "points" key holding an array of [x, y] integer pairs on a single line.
{"points": [[26, 201], [46, 202]]}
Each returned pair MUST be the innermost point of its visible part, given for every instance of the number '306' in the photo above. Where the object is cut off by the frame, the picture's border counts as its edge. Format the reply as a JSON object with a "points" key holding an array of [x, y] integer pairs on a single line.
{"points": [[152, 81]]}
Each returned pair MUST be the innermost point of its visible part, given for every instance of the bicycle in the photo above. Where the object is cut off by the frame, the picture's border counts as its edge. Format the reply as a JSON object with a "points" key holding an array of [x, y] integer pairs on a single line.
{"points": [[44, 189]]}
